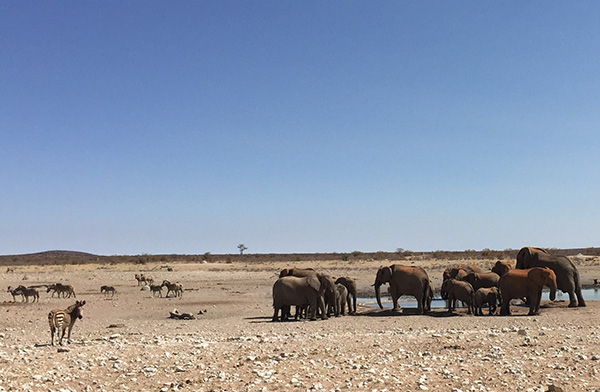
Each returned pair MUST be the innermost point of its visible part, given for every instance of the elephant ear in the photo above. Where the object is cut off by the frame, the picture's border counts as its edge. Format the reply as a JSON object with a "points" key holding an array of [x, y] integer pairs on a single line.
{"points": [[538, 275], [386, 273], [523, 255], [314, 282]]}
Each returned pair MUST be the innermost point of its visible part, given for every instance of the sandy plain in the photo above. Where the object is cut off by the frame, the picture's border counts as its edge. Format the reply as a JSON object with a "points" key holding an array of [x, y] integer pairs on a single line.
{"points": [[128, 343]]}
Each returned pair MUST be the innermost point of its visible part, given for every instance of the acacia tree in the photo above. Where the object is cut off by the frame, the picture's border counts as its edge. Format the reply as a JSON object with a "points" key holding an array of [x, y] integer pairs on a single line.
{"points": [[242, 248]]}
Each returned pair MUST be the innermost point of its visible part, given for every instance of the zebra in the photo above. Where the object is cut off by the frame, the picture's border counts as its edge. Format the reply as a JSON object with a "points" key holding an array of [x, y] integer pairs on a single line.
{"points": [[142, 279], [108, 289], [14, 292], [176, 288], [61, 320], [65, 289], [156, 289], [27, 292]]}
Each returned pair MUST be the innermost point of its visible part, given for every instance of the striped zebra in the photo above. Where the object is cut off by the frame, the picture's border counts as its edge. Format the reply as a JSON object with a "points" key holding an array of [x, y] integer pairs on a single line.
{"points": [[27, 292], [155, 289], [108, 290], [62, 320], [65, 289], [142, 279], [175, 288], [14, 292]]}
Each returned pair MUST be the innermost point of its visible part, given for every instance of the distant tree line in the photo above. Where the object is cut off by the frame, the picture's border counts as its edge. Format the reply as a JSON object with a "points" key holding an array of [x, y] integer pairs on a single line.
{"points": [[68, 257]]}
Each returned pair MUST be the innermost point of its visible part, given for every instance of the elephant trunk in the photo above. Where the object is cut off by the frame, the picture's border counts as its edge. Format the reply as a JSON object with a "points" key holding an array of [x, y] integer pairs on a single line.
{"points": [[377, 294]]}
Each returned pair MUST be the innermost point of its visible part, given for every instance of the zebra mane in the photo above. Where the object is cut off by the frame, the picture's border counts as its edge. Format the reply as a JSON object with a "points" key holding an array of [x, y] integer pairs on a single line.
{"points": [[76, 305]]}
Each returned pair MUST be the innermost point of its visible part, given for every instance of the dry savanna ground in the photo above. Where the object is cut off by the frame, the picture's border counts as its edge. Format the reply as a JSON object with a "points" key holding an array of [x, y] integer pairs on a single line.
{"points": [[128, 343]]}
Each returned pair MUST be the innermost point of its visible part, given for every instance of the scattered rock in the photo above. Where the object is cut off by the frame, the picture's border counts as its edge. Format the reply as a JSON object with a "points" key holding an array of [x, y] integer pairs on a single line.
{"points": [[181, 316]]}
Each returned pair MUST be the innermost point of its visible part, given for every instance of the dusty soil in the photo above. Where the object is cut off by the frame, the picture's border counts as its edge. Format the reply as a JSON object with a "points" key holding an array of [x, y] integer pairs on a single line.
{"points": [[127, 342]]}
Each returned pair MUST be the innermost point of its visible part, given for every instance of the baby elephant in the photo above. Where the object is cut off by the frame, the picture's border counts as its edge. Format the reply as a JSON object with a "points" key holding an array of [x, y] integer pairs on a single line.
{"points": [[341, 298], [453, 290], [487, 295]]}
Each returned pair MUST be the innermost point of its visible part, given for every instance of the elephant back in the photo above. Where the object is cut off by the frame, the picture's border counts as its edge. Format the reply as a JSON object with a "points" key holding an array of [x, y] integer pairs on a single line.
{"points": [[298, 272], [562, 266]]}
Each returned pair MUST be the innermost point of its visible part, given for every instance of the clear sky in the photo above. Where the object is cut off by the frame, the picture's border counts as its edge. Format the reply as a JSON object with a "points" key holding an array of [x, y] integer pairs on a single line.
{"points": [[193, 126]]}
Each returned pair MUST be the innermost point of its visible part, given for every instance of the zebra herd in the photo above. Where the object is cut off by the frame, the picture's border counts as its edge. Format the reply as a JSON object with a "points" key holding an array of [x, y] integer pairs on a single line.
{"points": [[176, 289], [61, 321], [147, 282], [66, 290], [61, 291], [25, 293]]}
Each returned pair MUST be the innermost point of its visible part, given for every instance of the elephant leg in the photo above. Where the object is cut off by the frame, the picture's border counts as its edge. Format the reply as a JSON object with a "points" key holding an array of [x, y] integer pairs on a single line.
{"points": [[285, 312], [534, 302], [580, 300], [420, 305], [348, 301], [321, 304], [313, 310], [301, 312], [353, 304], [572, 300], [505, 308], [531, 306]]}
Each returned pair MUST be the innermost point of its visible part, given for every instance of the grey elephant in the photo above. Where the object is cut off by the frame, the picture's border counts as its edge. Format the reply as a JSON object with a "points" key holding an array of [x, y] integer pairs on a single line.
{"points": [[328, 291], [489, 296], [330, 295], [567, 275], [518, 283], [303, 292], [350, 285], [482, 279], [404, 280], [342, 298], [453, 290]]}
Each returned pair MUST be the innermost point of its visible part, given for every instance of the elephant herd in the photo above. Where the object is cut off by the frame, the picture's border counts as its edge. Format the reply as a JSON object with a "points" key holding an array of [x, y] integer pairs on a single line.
{"points": [[319, 294], [312, 292]]}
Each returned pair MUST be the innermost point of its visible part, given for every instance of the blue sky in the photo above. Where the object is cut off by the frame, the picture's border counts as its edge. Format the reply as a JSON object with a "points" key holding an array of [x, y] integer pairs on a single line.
{"points": [[191, 127]]}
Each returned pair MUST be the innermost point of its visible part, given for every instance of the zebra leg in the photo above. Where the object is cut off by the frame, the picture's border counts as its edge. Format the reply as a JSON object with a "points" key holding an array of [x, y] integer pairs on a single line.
{"points": [[62, 335]]}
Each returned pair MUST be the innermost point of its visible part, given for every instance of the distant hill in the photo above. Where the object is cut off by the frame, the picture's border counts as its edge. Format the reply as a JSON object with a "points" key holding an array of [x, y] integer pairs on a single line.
{"points": [[60, 254], [49, 257]]}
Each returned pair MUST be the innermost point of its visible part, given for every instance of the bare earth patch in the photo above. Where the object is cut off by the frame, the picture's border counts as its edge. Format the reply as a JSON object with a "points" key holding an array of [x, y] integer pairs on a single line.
{"points": [[127, 342]]}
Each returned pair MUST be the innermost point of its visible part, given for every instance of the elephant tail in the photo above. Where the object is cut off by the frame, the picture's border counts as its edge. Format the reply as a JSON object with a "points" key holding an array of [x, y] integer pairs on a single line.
{"points": [[576, 278]]}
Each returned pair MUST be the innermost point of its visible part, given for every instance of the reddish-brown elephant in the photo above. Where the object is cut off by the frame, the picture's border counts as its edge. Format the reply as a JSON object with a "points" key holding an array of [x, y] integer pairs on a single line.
{"points": [[567, 275], [517, 284]]}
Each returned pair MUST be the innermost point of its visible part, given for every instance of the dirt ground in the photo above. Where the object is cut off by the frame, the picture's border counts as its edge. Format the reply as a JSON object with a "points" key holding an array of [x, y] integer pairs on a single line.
{"points": [[128, 343]]}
